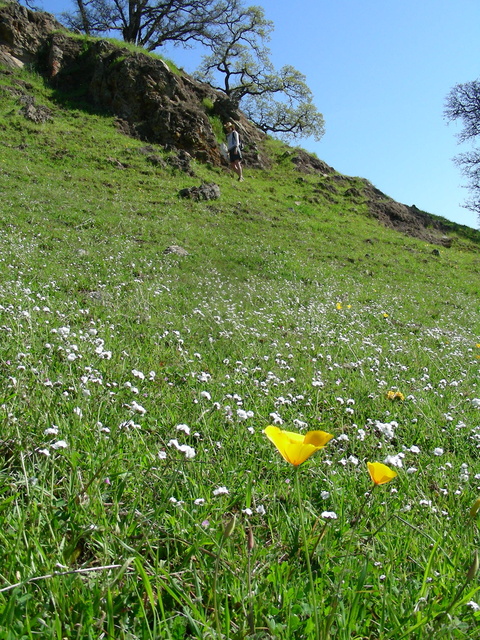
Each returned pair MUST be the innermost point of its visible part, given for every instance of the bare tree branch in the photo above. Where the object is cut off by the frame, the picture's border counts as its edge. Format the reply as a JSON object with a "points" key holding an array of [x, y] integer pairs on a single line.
{"points": [[150, 23], [463, 103]]}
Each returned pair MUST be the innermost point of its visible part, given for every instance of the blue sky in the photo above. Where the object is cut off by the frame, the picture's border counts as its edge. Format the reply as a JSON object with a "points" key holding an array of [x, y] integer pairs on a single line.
{"points": [[380, 71]]}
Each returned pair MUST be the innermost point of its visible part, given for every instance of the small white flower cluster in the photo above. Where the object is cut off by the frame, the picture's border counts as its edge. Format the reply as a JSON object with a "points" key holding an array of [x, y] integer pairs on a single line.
{"points": [[329, 515], [221, 491], [137, 408], [244, 415], [260, 509], [186, 449], [56, 445], [386, 428], [395, 460]]}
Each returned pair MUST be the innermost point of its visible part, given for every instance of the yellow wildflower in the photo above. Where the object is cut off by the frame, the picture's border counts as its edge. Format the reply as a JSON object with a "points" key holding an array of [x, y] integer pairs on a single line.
{"points": [[395, 395], [295, 447], [380, 473]]}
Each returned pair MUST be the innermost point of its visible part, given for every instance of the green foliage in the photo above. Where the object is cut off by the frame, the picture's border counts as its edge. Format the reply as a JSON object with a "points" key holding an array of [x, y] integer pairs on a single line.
{"points": [[277, 102], [208, 104], [293, 303], [129, 46], [149, 24], [215, 121]]}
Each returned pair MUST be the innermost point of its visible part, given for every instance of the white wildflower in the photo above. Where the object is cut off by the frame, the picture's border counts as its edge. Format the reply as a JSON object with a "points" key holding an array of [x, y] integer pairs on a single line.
{"points": [[328, 515], [394, 461], [386, 428], [138, 408], [183, 427], [276, 419], [220, 491], [51, 431], [60, 444]]}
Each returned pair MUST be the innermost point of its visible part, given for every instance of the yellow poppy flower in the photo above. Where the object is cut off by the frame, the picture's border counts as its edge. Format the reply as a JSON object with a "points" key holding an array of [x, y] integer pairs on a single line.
{"points": [[295, 447], [395, 395], [380, 473]]}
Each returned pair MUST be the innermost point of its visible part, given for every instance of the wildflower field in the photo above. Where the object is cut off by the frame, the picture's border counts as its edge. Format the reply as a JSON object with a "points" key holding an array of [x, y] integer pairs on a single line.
{"points": [[151, 486]]}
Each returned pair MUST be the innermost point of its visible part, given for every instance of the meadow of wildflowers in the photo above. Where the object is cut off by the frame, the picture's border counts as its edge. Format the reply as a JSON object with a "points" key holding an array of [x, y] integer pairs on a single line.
{"points": [[140, 495]]}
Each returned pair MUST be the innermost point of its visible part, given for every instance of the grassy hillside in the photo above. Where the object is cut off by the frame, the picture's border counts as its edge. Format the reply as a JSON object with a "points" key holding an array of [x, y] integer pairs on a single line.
{"points": [[136, 385]]}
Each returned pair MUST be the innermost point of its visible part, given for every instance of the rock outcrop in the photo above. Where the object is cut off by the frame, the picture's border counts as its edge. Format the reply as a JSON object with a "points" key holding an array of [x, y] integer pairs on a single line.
{"points": [[161, 106], [23, 34], [210, 191], [404, 218], [401, 217], [151, 101]]}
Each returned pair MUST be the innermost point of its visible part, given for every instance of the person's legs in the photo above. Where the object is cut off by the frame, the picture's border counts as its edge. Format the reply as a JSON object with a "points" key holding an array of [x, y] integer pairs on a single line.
{"points": [[237, 167]]}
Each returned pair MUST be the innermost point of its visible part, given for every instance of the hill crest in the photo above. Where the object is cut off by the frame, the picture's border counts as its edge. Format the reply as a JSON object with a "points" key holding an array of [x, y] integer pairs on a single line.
{"points": [[160, 106]]}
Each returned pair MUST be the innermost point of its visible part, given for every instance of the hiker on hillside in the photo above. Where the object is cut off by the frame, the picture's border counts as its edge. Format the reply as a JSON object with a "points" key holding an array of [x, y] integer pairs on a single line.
{"points": [[234, 153]]}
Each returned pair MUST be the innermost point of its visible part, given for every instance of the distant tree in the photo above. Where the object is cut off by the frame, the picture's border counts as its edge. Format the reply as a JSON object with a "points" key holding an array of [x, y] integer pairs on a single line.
{"points": [[463, 104], [239, 64], [149, 23]]}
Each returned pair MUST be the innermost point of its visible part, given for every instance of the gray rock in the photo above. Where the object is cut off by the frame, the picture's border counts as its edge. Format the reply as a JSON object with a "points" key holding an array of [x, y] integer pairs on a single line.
{"points": [[35, 112], [179, 251], [23, 32], [9, 61], [181, 161], [150, 101], [207, 191]]}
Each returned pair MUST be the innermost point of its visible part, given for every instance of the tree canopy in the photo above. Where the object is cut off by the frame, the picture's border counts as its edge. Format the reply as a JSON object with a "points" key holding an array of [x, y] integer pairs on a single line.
{"points": [[149, 23], [463, 104], [239, 64]]}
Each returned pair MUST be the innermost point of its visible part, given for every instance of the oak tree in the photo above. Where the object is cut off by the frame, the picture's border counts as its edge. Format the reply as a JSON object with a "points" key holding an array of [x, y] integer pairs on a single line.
{"points": [[238, 64], [463, 105], [149, 23]]}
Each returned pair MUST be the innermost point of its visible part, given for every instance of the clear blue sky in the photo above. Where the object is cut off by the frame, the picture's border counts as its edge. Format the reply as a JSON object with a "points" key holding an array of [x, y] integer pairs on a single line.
{"points": [[380, 71]]}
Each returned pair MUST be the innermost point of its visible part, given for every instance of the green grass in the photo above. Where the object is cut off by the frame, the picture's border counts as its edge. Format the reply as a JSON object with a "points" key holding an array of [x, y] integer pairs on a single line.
{"points": [[294, 305], [123, 45]]}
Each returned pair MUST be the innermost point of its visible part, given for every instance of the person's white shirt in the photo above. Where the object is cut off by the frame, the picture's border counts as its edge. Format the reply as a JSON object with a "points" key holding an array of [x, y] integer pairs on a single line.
{"points": [[232, 140]]}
